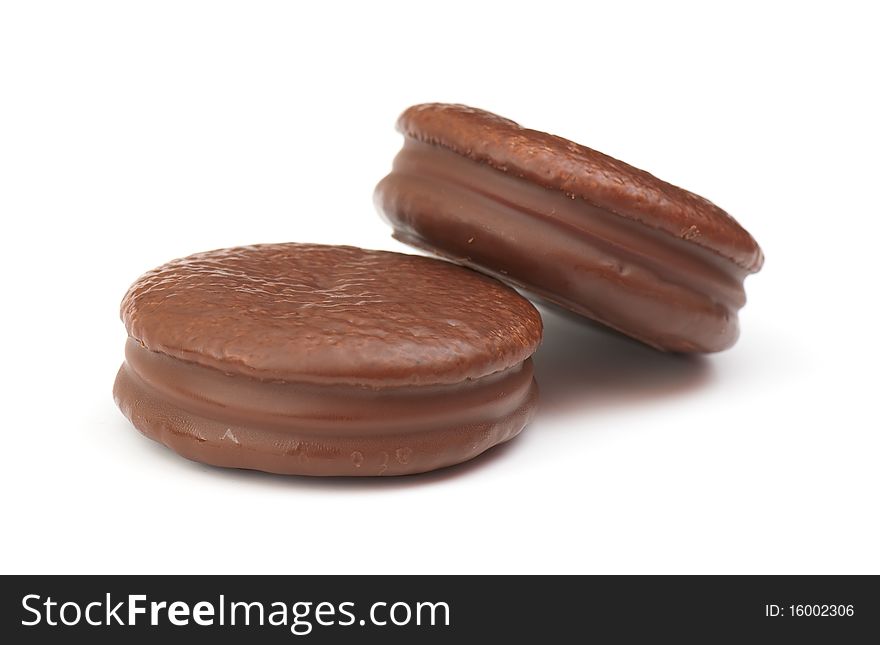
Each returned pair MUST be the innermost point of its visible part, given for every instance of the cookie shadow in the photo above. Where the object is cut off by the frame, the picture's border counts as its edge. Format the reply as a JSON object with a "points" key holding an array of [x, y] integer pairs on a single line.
{"points": [[582, 367]]}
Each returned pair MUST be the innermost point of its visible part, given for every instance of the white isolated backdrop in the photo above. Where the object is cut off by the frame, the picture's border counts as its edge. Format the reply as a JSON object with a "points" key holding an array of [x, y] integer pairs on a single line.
{"points": [[134, 133]]}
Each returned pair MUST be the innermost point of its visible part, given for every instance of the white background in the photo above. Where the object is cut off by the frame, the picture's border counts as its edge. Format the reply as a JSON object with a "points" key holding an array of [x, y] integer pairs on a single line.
{"points": [[134, 133]]}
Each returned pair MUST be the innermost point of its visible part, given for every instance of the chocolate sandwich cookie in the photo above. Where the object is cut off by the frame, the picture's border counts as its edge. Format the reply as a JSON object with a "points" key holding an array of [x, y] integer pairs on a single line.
{"points": [[570, 225], [326, 360]]}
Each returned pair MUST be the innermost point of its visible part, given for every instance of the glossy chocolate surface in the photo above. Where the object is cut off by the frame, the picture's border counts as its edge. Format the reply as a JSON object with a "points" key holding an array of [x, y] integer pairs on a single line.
{"points": [[666, 290], [331, 314], [315, 360], [581, 172], [303, 428]]}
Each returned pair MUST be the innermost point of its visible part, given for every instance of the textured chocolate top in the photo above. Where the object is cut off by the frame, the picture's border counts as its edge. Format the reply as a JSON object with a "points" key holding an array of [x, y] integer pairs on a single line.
{"points": [[560, 164], [331, 314]]}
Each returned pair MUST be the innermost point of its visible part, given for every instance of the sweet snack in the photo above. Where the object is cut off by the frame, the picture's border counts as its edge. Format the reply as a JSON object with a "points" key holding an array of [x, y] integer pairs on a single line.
{"points": [[570, 225], [326, 360]]}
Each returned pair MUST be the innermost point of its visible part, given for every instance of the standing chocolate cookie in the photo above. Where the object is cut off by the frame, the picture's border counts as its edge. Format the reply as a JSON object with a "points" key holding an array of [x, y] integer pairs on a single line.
{"points": [[326, 360], [571, 225]]}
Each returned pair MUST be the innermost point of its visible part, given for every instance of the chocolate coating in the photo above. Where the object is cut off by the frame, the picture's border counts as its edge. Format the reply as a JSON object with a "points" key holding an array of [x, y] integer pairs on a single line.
{"points": [[569, 225], [331, 314], [316, 360]]}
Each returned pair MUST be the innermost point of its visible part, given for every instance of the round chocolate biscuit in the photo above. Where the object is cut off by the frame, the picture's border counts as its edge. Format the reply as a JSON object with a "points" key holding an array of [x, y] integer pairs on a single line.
{"points": [[570, 225], [326, 360]]}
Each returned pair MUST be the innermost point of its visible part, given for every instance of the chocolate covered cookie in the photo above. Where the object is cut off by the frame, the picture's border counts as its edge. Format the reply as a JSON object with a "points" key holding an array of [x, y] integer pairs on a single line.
{"points": [[570, 225], [326, 360]]}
